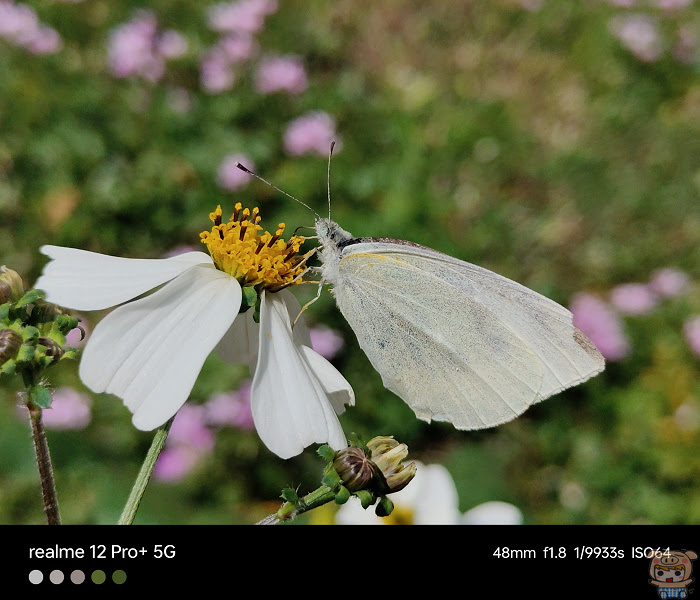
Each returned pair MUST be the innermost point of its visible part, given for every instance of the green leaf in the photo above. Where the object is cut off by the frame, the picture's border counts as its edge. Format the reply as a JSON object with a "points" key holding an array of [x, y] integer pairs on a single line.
{"points": [[342, 495], [40, 396], [8, 367], [326, 452], [29, 297], [366, 498], [384, 507], [330, 477], [290, 495]]}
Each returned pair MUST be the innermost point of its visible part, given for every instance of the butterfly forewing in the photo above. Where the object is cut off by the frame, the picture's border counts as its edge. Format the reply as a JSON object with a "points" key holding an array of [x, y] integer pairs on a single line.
{"points": [[456, 341]]}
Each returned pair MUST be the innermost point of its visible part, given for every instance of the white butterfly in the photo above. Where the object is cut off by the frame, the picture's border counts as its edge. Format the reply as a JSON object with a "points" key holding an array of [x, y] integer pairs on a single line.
{"points": [[455, 341]]}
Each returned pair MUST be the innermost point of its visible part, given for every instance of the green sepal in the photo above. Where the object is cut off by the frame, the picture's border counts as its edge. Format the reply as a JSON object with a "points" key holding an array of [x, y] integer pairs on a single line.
{"points": [[256, 312], [249, 298], [330, 477], [356, 440], [342, 495], [384, 507], [290, 495], [9, 367], [325, 451], [26, 353], [30, 297], [64, 324], [69, 353], [5, 311], [366, 498], [39, 396], [30, 333]]}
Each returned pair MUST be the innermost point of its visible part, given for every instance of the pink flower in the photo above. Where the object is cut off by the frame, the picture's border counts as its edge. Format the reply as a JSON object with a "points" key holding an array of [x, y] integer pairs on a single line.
{"points": [[231, 409], [601, 325], [691, 328], [633, 298], [171, 44], [69, 410], [44, 41], [189, 429], [188, 441], [668, 282], [229, 176], [244, 16], [216, 68], [175, 462], [639, 34], [216, 72], [75, 337], [281, 74], [20, 25], [311, 134], [138, 49], [325, 341], [237, 47]]}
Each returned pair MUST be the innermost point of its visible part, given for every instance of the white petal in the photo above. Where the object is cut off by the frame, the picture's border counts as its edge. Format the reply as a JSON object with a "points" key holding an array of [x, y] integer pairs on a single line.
{"points": [[302, 336], [84, 280], [493, 513], [290, 407], [334, 384], [435, 499], [240, 342], [149, 352]]}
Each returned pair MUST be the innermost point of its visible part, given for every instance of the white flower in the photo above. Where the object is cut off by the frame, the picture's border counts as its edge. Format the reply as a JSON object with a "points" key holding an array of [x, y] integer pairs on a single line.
{"points": [[149, 351], [430, 499]]}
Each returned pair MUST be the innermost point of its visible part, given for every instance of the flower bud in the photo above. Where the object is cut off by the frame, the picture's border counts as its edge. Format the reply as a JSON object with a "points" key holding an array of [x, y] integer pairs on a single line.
{"points": [[355, 468], [11, 287], [52, 348], [388, 455], [10, 343]]}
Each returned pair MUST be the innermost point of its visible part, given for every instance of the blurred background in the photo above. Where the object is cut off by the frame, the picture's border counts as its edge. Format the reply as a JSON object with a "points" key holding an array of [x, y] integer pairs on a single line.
{"points": [[556, 143]]}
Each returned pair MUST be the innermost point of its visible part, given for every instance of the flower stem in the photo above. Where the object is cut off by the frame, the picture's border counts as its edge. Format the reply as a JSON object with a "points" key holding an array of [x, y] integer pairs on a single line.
{"points": [[132, 504], [291, 510], [43, 459]]}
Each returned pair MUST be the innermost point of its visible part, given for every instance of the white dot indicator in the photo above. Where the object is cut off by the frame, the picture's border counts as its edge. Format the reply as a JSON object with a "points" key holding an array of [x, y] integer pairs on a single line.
{"points": [[36, 576]]}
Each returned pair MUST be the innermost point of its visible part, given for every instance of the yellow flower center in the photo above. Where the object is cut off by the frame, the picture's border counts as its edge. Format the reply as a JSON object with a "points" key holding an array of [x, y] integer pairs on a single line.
{"points": [[238, 249]]}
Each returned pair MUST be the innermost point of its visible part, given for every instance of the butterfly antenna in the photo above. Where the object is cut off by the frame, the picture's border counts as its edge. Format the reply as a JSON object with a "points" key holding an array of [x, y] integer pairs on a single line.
{"points": [[330, 154], [247, 170]]}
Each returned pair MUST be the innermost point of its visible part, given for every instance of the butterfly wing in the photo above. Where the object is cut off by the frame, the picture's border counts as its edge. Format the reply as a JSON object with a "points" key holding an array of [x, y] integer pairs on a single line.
{"points": [[457, 342]]}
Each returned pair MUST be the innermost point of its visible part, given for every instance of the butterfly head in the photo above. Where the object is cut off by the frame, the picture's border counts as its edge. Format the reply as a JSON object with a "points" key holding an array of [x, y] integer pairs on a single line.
{"points": [[330, 234]]}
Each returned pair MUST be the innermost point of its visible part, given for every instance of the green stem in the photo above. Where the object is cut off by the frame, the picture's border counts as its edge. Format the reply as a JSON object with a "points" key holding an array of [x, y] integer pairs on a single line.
{"points": [[291, 510], [43, 459], [132, 504]]}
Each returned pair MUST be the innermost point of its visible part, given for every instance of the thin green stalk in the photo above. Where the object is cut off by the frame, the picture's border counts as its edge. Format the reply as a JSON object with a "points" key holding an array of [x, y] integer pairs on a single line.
{"points": [[132, 504], [43, 459], [291, 510]]}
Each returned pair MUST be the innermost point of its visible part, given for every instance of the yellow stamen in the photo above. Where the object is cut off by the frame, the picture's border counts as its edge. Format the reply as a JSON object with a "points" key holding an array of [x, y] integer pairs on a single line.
{"points": [[238, 249]]}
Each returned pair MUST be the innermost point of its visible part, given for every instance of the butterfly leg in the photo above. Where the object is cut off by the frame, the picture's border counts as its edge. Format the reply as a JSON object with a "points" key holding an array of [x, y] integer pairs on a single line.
{"points": [[310, 302]]}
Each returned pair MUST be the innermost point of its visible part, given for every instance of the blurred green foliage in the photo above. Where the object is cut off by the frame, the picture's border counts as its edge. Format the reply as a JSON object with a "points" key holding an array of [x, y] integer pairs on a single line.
{"points": [[528, 141]]}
